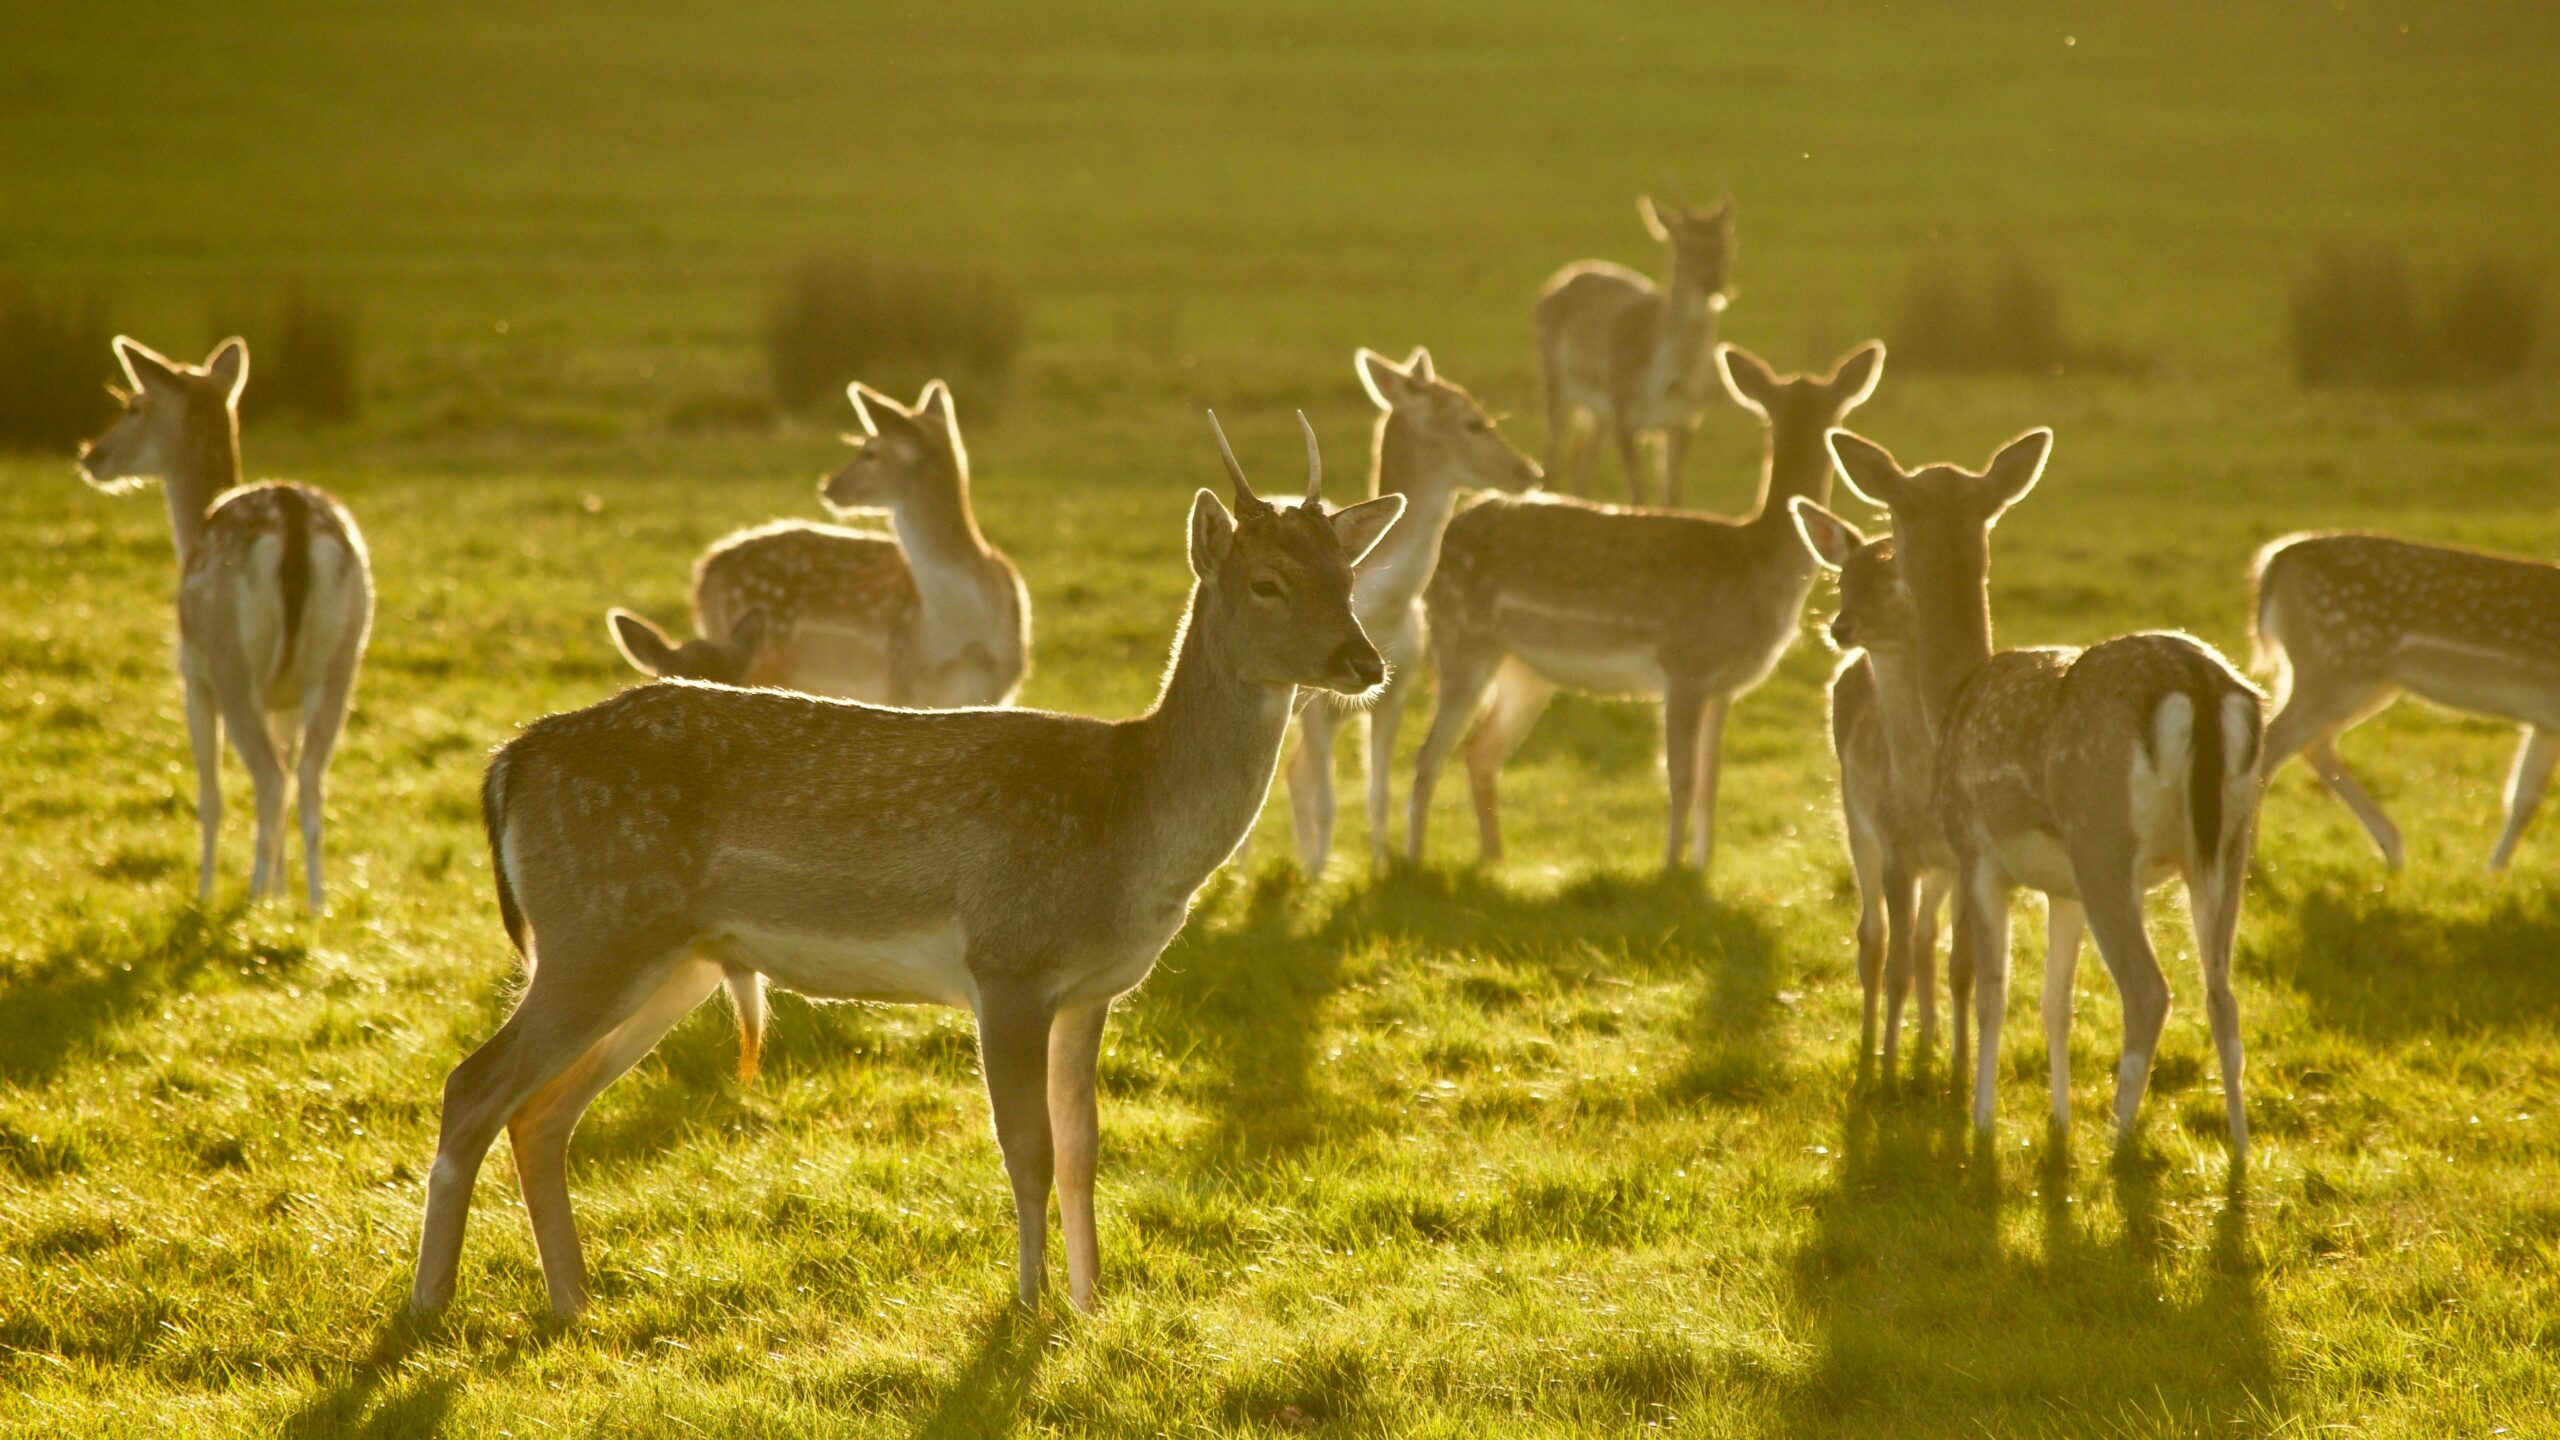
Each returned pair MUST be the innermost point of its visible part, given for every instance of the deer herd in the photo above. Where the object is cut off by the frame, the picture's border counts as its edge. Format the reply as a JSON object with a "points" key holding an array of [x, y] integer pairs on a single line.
{"points": [[834, 791]]}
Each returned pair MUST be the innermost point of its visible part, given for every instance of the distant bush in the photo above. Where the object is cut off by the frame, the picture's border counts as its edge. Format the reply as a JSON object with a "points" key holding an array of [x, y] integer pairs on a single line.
{"points": [[2358, 320], [2005, 317], [54, 365], [844, 315], [303, 360]]}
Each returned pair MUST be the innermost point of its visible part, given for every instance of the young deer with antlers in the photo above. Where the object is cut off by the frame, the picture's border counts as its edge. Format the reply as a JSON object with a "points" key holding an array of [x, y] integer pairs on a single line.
{"points": [[2347, 623], [1541, 592], [2093, 776], [1617, 353], [932, 619], [275, 597], [1024, 865], [1433, 442]]}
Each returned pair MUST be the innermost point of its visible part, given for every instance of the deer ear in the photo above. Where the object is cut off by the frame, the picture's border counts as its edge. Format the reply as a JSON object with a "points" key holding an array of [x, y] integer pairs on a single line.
{"points": [[1418, 365], [228, 367], [1385, 381], [1855, 377], [1653, 221], [1360, 527], [1747, 378], [941, 415], [1868, 467], [2014, 471], [1213, 535], [142, 364], [870, 405], [747, 636], [1831, 539], [643, 644]]}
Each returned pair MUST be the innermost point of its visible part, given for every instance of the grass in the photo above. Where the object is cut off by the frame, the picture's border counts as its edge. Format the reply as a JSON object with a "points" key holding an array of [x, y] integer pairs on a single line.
{"points": [[1557, 1147]]}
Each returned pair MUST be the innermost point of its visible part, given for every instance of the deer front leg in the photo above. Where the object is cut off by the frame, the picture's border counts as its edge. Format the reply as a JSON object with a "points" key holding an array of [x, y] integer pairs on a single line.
{"points": [[1013, 1050], [2062, 929], [1683, 712], [1311, 802], [1675, 456], [1075, 1050], [1982, 930], [1710, 772]]}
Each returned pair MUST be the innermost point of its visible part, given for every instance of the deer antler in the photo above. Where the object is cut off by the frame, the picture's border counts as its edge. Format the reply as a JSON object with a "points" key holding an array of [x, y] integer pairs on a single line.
{"points": [[1315, 466], [1235, 472]]}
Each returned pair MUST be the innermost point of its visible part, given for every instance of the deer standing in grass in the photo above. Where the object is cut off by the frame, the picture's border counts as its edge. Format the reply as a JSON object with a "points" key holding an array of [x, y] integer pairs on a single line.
{"points": [[1617, 353], [1433, 442], [275, 598], [932, 619], [1541, 592], [1024, 865], [2347, 623], [2092, 775]]}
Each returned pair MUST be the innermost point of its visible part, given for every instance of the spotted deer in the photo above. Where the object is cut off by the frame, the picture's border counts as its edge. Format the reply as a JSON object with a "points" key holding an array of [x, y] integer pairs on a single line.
{"points": [[2348, 623], [1618, 353], [1540, 592], [1888, 784], [275, 598], [932, 619], [655, 653], [2092, 775], [1023, 865], [1433, 442]]}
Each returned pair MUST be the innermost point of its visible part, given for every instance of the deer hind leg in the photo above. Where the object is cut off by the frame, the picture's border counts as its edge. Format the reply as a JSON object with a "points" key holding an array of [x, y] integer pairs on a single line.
{"points": [[1866, 861], [247, 723], [1982, 933], [324, 714], [1379, 725], [1631, 460], [1311, 803], [2064, 924], [2525, 784], [2111, 897], [2215, 888], [2318, 709], [1466, 670], [1675, 458], [1924, 953], [1517, 697], [1013, 1050], [204, 731], [1075, 1049], [540, 1128], [1702, 799]]}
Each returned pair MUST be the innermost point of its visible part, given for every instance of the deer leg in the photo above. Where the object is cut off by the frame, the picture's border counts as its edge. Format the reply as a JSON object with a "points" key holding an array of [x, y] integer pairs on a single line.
{"points": [[204, 730], [1675, 457], [2215, 888], [1466, 669], [1924, 954], [2111, 896], [539, 1130], [1381, 722], [1075, 1049], [2063, 924], [1631, 461], [324, 711], [1518, 696], [1866, 862], [1702, 806], [2318, 708], [248, 726], [1013, 1049], [1982, 928], [1683, 717], [1902, 931], [2525, 784], [1311, 804]]}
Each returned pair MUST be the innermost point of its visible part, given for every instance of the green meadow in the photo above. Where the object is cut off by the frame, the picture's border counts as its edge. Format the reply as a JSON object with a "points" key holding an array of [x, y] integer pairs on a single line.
{"points": [[1555, 1147]]}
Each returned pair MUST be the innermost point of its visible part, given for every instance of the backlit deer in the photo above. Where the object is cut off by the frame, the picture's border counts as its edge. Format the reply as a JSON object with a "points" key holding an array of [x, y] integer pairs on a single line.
{"points": [[933, 619], [1888, 797], [2092, 775], [1617, 353], [1433, 442], [2347, 623], [275, 597], [1024, 865], [655, 653], [1542, 592]]}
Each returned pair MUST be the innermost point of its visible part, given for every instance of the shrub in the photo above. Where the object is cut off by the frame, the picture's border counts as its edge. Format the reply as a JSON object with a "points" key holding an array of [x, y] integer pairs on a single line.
{"points": [[2006, 317], [2358, 320], [2491, 320], [54, 365], [844, 315], [302, 356]]}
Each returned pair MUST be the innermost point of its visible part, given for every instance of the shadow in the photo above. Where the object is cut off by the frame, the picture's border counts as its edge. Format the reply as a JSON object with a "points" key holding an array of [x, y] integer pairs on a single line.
{"points": [[986, 1396], [2377, 967], [109, 971], [1933, 1314], [364, 1402]]}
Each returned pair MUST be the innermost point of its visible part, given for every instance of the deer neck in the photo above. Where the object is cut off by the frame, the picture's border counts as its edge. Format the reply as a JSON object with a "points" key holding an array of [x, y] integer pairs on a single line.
{"points": [[208, 465], [1688, 331], [1796, 462], [1951, 590], [1396, 572], [955, 569], [1205, 754], [1900, 705]]}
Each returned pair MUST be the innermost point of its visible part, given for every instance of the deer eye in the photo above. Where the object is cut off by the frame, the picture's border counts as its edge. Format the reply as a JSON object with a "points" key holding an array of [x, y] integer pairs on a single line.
{"points": [[1266, 588], [1479, 425]]}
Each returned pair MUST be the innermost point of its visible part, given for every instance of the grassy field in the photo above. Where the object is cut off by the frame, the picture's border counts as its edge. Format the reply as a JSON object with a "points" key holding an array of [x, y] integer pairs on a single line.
{"points": [[1556, 1147]]}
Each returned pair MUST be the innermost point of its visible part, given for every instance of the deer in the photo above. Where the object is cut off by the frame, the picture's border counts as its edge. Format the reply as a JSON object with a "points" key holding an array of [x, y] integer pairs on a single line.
{"points": [[2094, 776], [660, 656], [2347, 623], [1023, 865], [1433, 442], [1618, 353], [1888, 782], [933, 618], [275, 598], [1539, 592]]}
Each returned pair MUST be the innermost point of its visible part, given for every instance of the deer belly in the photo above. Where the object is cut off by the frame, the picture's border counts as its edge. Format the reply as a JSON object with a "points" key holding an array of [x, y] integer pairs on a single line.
{"points": [[918, 965], [1596, 668], [2479, 679]]}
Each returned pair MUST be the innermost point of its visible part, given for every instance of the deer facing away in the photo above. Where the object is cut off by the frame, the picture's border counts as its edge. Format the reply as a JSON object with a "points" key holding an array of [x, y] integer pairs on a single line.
{"points": [[932, 619], [275, 598], [1025, 865], [1433, 442], [2347, 623], [2093, 776], [1541, 592], [1618, 354]]}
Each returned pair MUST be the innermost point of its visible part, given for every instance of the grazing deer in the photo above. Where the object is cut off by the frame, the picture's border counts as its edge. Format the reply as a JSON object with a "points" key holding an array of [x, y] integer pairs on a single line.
{"points": [[1540, 592], [2349, 622], [1888, 795], [275, 597], [1024, 865], [933, 619], [2092, 775], [1433, 441], [655, 653], [1616, 353]]}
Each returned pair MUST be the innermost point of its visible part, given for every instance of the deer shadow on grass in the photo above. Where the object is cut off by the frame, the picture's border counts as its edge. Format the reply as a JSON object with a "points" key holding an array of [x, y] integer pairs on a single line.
{"points": [[367, 1398], [2383, 968], [986, 1394], [103, 974], [1930, 1319]]}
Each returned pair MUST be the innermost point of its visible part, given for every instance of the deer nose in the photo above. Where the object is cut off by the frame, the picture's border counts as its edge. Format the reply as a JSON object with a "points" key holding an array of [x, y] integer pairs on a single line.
{"points": [[1361, 660]]}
